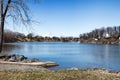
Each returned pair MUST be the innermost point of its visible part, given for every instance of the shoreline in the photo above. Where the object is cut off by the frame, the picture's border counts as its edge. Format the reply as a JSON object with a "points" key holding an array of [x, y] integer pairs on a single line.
{"points": [[33, 71], [12, 61], [33, 64], [41, 66], [81, 41], [23, 67]]}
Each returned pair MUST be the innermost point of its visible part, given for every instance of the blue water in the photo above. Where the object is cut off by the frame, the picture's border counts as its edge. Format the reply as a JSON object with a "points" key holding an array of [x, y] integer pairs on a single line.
{"points": [[68, 54]]}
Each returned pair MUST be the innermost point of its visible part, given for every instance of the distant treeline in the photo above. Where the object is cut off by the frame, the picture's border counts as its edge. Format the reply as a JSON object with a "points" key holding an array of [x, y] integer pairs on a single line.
{"points": [[109, 35], [20, 37]]}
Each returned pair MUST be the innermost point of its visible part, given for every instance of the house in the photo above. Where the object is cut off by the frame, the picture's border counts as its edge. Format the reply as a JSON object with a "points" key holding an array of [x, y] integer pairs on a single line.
{"points": [[106, 35]]}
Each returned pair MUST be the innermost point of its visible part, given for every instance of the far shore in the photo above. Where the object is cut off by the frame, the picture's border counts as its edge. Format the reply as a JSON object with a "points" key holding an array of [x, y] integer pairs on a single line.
{"points": [[108, 35], [67, 39]]}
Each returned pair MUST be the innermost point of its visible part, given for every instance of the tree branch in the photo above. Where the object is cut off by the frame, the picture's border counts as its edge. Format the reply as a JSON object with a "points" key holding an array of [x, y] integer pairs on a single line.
{"points": [[6, 9]]}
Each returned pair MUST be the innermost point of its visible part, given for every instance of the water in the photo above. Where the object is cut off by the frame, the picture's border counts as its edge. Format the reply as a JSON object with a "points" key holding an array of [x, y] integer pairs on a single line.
{"points": [[70, 54]]}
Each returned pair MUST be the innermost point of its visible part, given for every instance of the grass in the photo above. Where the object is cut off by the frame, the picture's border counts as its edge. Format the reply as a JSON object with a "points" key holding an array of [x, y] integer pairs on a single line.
{"points": [[59, 75]]}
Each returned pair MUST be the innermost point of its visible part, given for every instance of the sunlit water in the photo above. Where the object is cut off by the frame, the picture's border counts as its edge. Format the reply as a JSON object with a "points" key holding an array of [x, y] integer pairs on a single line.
{"points": [[69, 54]]}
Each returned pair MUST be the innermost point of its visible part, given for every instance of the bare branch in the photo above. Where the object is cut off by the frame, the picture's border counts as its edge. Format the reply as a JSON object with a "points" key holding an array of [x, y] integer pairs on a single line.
{"points": [[6, 9]]}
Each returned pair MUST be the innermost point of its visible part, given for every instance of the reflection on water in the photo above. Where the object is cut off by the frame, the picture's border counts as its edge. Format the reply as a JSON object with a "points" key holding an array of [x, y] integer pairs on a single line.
{"points": [[71, 54], [8, 47]]}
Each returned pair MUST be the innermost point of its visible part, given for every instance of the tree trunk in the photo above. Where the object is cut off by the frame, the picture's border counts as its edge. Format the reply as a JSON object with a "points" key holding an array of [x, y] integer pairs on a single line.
{"points": [[1, 27], [1, 35], [3, 14]]}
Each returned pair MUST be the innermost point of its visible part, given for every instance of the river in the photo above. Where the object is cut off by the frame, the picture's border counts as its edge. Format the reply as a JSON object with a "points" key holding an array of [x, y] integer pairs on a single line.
{"points": [[70, 54]]}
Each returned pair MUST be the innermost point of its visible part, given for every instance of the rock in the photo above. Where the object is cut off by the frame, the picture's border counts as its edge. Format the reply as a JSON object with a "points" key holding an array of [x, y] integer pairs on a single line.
{"points": [[30, 60], [12, 59], [48, 64], [26, 61], [20, 58], [35, 60], [73, 68], [15, 67], [4, 57], [42, 64]]}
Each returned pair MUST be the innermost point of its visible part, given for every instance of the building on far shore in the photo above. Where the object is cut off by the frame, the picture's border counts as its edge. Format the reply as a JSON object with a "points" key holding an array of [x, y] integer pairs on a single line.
{"points": [[106, 35]]}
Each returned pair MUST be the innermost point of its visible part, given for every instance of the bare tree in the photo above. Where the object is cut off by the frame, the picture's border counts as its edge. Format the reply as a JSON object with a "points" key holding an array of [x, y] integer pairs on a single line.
{"points": [[15, 9]]}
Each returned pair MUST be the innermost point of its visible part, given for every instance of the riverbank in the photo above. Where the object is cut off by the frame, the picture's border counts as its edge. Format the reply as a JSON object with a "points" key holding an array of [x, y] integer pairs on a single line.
{"points": [[15, 67], [108, 35], [20, 62], [101, 41], [89, 74], [27, 71]]}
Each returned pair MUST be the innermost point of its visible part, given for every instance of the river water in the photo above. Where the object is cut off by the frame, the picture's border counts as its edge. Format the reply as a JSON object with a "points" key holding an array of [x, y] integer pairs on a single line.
{"points": [[70, 54]]}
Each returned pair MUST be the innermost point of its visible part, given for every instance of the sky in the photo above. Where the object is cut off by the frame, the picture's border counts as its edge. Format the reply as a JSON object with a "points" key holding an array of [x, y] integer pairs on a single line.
{"points": [[70, 17]]}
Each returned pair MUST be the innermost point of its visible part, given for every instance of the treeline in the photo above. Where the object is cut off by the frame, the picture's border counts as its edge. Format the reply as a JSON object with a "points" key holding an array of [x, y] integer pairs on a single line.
{"points": [[10, 36], [109, 35]]}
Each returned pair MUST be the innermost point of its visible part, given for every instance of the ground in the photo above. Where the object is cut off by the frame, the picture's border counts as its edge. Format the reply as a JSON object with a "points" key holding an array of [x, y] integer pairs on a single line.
{"points": [[59, 75]]}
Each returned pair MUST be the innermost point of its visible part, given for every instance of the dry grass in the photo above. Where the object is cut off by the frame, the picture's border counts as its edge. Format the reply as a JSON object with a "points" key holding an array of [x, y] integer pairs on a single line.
{"points": [[59, 75]]}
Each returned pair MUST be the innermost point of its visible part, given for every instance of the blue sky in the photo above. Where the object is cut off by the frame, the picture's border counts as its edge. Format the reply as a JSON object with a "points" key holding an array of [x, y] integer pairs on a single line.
{"points": [[71, 17]]}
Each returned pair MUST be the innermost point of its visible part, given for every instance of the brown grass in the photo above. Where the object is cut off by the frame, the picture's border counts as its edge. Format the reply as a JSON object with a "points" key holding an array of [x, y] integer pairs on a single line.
{"points": [[59, 75]]}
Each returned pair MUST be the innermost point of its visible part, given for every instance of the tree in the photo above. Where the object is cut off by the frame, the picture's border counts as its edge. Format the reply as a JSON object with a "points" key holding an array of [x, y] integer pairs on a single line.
{"points": [[30, 35], [15, 9], [9, 36]]}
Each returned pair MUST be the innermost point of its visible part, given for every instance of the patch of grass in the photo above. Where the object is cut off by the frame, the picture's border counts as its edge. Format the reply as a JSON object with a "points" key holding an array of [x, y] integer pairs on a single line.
{"points": [[59, 75]]}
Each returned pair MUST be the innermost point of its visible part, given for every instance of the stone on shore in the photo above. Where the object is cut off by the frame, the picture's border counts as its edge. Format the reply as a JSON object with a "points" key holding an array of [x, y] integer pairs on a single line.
{"points": [[16, 58], [21, 60]]}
